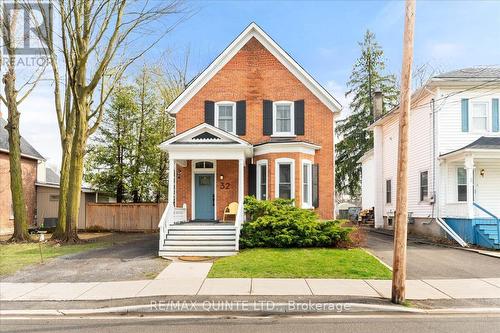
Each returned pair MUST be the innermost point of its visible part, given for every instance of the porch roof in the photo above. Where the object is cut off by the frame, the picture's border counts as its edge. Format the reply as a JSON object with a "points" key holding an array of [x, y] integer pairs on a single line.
{"points": [[484, 147], [206, 141]]}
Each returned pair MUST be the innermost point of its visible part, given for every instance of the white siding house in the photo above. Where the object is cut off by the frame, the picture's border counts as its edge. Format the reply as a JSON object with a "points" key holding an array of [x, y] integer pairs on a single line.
{"points": [[454, 158], [368, 180]]}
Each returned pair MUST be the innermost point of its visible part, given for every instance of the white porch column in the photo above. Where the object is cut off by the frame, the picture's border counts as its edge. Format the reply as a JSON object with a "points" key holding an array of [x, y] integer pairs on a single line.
{"points": [[469, 168], [171, 180], [378, 158], [241, 177]]}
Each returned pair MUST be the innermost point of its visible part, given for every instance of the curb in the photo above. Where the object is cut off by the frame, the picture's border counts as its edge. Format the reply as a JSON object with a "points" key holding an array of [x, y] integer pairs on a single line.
{"points": [[222, 307], [200, 309]]}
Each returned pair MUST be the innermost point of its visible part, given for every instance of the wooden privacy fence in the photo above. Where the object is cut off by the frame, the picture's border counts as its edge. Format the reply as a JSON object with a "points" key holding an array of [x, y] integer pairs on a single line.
{"points": [[124, 216]]}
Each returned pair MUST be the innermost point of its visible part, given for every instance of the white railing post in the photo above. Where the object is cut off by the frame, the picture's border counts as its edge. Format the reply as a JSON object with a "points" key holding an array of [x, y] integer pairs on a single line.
{"points": [[239, 214], [469, 169], [168, 215]]}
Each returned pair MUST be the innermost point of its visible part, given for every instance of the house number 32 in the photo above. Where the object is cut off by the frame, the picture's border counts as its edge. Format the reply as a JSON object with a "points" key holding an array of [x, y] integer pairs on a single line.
{"points": [[224, 186]]}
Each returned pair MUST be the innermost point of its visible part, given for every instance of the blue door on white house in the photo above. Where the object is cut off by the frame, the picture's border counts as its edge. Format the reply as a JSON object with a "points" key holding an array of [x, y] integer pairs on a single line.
{"points": [[204, 196]]}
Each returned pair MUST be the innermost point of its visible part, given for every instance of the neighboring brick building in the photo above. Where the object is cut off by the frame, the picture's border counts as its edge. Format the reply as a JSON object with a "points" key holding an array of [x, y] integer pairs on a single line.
{"points": [[30, 160], [254, 122]]}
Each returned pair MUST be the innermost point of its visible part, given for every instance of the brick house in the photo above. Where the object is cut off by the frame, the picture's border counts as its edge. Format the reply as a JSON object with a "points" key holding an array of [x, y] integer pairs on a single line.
{"points": [[253, 123], [31, 160]]}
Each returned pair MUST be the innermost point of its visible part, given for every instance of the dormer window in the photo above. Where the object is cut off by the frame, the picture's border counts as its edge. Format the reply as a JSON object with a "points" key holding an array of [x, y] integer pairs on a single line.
{"points": [[225, 116], [283, 119]]}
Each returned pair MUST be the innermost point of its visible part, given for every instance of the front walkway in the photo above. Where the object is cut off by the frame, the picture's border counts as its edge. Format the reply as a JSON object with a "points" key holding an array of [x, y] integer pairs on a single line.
{"points": [[188, 279]]}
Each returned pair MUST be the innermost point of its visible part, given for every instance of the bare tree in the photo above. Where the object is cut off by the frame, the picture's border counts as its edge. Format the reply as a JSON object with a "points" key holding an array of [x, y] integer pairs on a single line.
{"points": [[12, 98], [98, 41]]}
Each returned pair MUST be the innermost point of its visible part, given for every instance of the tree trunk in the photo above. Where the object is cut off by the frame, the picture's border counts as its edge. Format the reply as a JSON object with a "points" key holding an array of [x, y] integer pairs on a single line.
{"points": [[59, 233], [16, 181], [76, 174]]}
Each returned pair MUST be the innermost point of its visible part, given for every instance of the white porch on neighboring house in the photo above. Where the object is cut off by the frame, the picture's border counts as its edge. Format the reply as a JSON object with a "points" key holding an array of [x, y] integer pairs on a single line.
{"points": [[470, 185], [192, 227]]}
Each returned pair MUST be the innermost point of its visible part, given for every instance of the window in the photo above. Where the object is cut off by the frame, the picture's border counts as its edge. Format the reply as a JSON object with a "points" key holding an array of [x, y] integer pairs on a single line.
{"points": [[480, 117], [306, 184], [283, 119], [461, 185], [388, 191], [262, 180], [225, 116], [285, 178], [204, 165], [424, 186]]}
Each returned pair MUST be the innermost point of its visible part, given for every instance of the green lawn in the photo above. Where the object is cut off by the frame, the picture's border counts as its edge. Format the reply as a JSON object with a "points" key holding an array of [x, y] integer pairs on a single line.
{"points": [[300, 263], [15, 256]]}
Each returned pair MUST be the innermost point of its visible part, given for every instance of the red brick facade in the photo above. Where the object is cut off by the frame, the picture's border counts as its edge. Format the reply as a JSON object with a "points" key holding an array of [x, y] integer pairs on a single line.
{"points": [[29, 169], [254, 75]]}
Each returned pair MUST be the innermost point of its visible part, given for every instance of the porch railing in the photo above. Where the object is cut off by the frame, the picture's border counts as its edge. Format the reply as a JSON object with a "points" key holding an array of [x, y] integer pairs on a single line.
{"points": [[170, 216], [487, 212]]}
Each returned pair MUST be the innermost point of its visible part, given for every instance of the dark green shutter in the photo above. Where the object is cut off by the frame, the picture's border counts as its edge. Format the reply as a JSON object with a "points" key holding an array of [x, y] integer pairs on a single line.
{"points": [[315, 185], [267, 117], [465, 115], [209, 112], [496, 115], [241, 117], [299, 117], [252, 180]]}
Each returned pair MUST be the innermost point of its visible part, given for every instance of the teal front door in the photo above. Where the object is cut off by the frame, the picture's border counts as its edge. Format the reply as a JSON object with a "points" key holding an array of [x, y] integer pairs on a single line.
{"points": [[204, 196]]}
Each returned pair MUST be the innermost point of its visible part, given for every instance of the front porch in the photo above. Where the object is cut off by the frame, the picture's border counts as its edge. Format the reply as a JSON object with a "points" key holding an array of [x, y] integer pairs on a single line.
{"points": [[471, 187], [206, 174]]}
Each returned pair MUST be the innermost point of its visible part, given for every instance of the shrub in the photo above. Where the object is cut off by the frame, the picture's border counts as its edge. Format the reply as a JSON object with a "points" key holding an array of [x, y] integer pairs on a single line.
{"points": [[278, 223]]}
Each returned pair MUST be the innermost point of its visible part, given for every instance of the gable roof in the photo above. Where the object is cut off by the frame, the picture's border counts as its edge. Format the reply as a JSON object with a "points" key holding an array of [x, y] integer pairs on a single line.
{"points": [[27, 150], [204, 134], [254, 31]]}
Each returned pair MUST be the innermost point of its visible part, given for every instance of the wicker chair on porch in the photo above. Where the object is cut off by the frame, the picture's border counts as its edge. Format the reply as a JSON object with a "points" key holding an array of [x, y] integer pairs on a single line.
{"points": [[231, 209]]}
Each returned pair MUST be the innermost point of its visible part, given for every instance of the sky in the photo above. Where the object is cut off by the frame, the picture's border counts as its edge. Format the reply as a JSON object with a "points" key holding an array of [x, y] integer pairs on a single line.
{"points": [[322, 36]]}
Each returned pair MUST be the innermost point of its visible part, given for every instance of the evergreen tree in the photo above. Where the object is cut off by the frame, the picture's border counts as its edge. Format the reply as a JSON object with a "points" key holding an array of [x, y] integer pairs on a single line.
{"points": [[109, 154], [368, 75]]}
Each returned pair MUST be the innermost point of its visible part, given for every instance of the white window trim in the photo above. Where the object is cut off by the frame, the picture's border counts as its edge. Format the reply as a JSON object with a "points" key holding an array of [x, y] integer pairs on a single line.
{"points": [[292, 119], [420, 186], [277, 163], [216, 114], [305, 204], [258, 175], [457, 184], [488, 117], [385, 192]]}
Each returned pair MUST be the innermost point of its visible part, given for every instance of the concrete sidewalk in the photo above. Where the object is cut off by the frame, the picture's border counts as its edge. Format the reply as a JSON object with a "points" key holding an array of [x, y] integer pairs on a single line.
{"points": [[190, 279]]}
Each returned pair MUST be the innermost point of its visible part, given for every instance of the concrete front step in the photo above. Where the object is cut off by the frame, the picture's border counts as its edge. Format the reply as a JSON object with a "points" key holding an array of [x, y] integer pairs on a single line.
{"points": [[200, 242], [202, 227], [163, 253], [201, 237], [195, 248], [202, 232]]}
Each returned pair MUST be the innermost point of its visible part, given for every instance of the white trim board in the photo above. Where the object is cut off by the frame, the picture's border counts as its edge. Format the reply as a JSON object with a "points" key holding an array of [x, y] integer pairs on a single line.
{"points": [[254, 31], [286, 147]]}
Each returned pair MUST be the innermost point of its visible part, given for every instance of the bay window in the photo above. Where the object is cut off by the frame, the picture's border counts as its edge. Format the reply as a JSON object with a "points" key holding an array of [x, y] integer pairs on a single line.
{"points": [[285, 179]]}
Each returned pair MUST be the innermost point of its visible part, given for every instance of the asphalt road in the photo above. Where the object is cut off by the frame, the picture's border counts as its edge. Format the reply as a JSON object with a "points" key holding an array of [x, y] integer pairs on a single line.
{"points": [[344, 324], [435, 262], [134, 257]]}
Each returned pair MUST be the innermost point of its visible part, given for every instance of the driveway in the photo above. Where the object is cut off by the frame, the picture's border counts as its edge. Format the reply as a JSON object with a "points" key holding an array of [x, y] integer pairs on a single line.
{"points": [[426, 261], [134, 258]]}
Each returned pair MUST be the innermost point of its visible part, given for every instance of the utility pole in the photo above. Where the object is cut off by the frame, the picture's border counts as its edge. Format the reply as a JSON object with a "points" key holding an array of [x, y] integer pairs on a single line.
{"points": [[400, 233]]}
